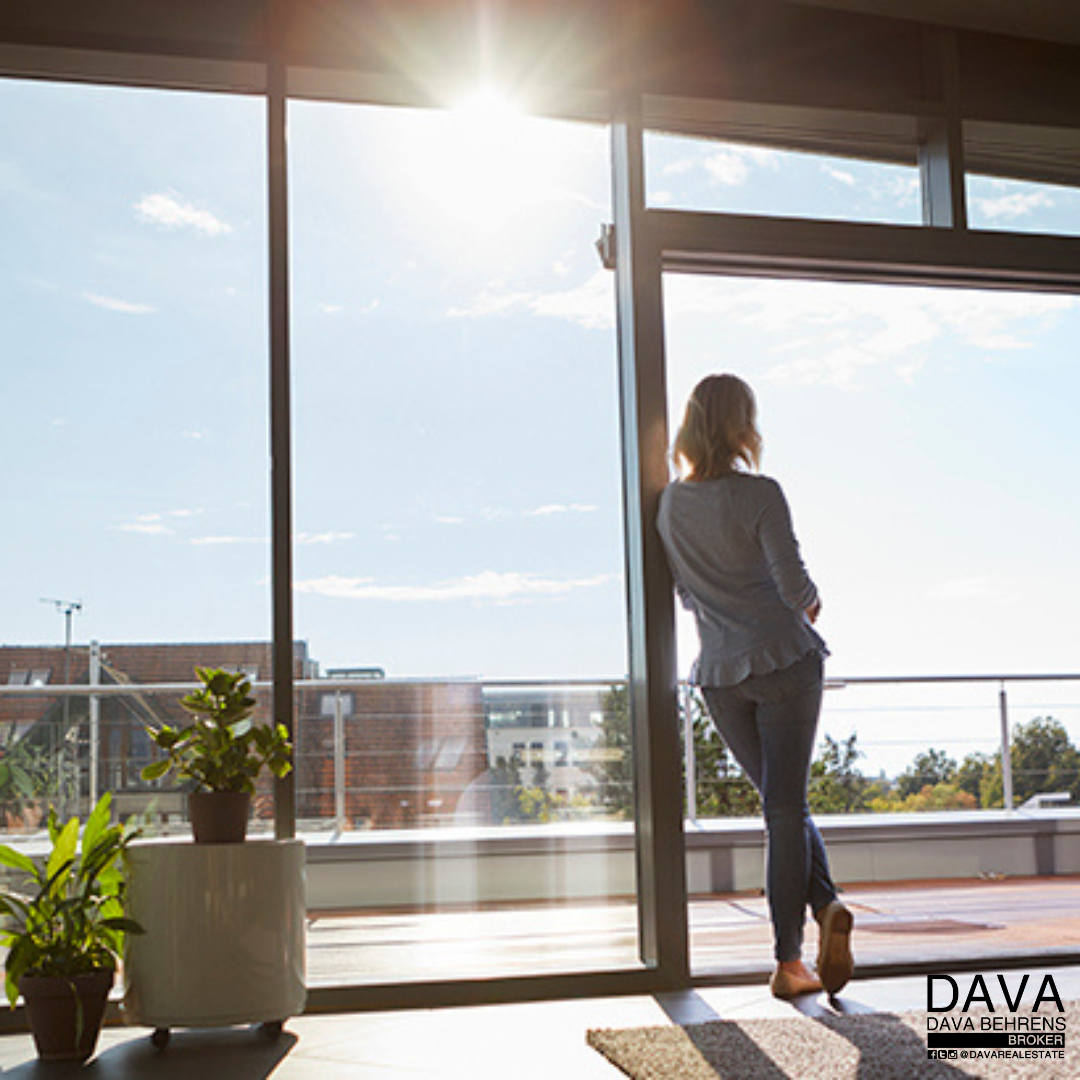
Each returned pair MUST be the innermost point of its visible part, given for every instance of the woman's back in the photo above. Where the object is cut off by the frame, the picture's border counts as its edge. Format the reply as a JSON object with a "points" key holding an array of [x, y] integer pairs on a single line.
{"points": [[736, 564]]}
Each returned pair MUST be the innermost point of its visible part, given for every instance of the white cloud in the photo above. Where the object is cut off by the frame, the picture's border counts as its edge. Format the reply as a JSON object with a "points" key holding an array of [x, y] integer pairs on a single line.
{"points": [[559, 508], [835, 332], [323, 538], [168, 211], [972, 589], [900, 189], [154, 524], [146, 528], [205, 540], [330, 309], [547, 510], [732, 166], [831, 331], [194, 435], [590, 304], [840, 175], [677, 168], [147, 525], [491, 302], [125, 307], [488, 586], [1015, 205], [727, 169]]}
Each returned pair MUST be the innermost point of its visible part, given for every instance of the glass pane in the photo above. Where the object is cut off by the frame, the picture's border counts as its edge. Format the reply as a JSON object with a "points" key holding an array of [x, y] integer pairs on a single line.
{"points": [[892, 417], [707, 174], [1022, 178], [459, 546], [1022, 206], [135, 502]]}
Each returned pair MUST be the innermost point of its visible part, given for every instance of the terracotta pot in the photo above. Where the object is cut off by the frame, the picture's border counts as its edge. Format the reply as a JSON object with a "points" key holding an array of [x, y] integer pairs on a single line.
{"points": [[54, 1004], [219, 817]]}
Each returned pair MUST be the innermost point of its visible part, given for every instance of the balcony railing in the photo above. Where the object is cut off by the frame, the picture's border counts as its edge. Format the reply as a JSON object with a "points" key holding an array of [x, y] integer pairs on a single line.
{"points": [[409, 753]]}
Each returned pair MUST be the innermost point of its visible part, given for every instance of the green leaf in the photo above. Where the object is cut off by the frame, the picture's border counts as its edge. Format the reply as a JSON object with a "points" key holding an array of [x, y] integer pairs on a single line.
{"points": [[96, 824], [123, 924], [240, 728], [156, 769], [16, 859], [63, 848], [20, 959]]}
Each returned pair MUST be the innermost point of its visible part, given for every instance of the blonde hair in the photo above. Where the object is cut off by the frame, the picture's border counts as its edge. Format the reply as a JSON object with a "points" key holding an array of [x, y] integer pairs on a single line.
{"points": [[719, 429]]}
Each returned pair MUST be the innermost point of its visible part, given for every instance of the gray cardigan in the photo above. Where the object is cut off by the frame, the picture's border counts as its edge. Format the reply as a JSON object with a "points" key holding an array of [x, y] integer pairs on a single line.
{"points": [[737, 567]]}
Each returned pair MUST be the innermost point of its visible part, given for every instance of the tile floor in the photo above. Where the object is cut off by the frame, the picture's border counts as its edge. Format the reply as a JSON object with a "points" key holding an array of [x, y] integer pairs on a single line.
{"points": [[974, 922], [494, 1042]]}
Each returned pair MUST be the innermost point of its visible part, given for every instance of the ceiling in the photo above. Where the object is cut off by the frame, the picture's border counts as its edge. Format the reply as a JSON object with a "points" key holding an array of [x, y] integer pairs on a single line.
{"points": [[1046, 20]]}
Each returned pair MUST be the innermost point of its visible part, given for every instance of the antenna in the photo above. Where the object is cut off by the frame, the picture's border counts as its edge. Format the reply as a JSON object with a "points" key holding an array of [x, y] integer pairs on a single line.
{"points": [[67, 608]]}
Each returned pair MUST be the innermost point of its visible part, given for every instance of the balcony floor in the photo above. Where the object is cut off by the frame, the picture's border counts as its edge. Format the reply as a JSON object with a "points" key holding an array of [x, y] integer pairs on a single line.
{"points": [[981, 925], [957, 922]]}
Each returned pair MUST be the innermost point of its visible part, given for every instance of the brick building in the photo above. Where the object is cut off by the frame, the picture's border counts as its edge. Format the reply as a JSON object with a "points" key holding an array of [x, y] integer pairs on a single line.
{"points": [[406, 750]]}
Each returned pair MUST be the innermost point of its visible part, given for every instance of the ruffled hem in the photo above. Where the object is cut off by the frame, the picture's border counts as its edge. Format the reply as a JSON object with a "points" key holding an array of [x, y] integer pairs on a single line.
{"points": [[729, 670]]}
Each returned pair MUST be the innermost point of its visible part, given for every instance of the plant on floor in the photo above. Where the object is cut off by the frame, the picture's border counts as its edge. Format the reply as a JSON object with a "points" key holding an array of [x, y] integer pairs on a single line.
{"points": [[67, 929]]}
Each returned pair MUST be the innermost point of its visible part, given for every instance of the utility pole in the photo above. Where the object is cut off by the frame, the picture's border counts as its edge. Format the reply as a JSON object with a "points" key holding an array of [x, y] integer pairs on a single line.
{"points": [[67, 608]]}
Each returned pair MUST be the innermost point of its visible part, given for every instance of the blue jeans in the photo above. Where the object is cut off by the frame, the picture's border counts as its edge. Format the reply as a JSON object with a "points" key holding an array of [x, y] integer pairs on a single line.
{"points": [[769, 723]]}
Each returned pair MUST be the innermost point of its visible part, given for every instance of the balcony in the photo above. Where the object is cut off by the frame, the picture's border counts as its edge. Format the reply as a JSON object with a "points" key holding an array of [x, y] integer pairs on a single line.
{"points": [[481, 828]]}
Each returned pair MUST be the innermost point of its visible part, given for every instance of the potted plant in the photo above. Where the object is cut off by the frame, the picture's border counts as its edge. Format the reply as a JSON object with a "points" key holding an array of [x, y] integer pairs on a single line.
{"points": [[66, 935], [222, 752]]}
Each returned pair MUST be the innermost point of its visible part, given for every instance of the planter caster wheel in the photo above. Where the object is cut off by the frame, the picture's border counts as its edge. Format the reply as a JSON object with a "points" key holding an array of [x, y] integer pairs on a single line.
{"points": [[272, 1029], [160, 1038]]}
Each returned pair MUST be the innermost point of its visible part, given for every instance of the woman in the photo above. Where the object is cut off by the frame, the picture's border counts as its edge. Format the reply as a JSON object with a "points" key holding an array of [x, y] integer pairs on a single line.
{"points": [[737, 567]]}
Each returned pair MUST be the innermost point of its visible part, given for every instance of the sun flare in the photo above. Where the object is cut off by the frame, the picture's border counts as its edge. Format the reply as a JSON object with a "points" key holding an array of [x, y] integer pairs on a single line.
{"points": [[483, 172]]}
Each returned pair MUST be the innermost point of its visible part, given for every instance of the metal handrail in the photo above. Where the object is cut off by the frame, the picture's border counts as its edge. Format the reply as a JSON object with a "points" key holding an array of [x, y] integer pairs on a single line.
{"points": [[339, 685]]}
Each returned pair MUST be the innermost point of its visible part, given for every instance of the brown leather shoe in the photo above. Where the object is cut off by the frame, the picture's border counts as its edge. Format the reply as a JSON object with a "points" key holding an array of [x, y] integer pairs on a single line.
{"points": [[786, 984], [834, 964]]}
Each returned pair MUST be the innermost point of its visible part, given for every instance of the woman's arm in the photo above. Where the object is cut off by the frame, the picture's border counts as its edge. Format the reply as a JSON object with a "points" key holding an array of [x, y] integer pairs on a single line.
{"points": [[782, 556]]}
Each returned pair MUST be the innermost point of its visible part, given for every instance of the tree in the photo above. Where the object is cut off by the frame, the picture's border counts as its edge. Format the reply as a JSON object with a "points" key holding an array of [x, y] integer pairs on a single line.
{"points": [[1044, 759], [614, 768], [836, 784], [928, 769], [505, 788], [975, 773], [29, 777], [723, 789], [941, 796]]}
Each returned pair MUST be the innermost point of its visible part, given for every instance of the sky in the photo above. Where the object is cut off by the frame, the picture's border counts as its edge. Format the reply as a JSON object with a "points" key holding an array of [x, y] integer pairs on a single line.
{"points": [[456, 444]]}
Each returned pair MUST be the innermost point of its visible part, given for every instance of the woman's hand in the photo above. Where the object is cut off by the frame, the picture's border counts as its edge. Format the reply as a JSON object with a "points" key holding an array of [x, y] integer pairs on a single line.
{"points": [[813, 611]]}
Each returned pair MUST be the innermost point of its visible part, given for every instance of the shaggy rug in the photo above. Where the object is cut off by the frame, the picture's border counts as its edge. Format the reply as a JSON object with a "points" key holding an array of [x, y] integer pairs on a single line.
{"points": [[863, 1046]]}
